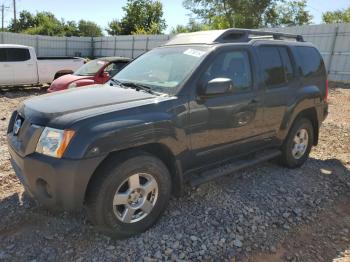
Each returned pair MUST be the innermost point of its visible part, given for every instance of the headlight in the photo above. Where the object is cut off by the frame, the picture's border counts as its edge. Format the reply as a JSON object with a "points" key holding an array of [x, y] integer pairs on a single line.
{"points": [[72, 85], [53, 142]]}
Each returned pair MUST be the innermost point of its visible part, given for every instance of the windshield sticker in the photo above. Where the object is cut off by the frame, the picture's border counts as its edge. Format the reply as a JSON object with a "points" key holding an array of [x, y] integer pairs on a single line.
{"points": [[193, 52]]}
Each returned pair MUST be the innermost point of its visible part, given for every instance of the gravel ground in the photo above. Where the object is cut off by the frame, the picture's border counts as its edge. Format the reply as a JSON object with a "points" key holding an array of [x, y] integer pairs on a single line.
{"points": [[264, 213]]}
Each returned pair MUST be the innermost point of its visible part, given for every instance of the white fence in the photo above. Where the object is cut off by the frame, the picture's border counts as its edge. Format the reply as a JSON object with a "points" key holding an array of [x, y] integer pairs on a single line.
{"points": [[333, 40], [51, 45], [126, 45]]}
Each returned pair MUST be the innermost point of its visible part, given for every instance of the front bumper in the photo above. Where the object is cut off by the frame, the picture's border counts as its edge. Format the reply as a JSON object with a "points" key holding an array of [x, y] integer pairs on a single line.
{"points": [[55, 183]]}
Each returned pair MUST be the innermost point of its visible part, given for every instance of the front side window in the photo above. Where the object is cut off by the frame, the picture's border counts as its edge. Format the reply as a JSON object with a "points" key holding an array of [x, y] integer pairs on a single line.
{"points": [[90, 68], [163, 69], [234, 65], [17, 54]]}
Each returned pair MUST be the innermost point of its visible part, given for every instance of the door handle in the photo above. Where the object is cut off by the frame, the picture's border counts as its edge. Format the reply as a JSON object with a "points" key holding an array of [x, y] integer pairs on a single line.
{"points": [[6, 65]]}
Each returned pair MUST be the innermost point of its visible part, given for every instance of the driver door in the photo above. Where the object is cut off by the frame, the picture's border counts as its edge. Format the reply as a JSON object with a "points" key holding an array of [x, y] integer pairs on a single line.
{"points": [[224, 125]]}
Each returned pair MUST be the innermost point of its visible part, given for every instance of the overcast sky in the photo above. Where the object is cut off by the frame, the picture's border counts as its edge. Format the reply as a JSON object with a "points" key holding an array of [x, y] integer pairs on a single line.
{"points": [[103, 11]]}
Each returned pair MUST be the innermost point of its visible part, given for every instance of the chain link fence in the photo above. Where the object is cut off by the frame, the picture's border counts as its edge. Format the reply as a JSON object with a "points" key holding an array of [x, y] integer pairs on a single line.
{"points": [[333, 41]]}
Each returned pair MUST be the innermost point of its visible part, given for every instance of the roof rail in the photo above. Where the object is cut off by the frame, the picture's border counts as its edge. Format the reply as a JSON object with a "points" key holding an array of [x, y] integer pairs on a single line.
{"points": [[249, 34], [232, 35]]}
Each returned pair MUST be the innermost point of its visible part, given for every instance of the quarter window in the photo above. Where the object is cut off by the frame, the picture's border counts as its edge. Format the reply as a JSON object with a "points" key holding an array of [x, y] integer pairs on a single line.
{"points": [[311, 63], [234, 65]]}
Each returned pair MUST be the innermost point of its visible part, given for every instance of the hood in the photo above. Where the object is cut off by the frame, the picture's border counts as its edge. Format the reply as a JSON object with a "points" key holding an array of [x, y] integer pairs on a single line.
{"points": [[63, 81], [75, 104]]}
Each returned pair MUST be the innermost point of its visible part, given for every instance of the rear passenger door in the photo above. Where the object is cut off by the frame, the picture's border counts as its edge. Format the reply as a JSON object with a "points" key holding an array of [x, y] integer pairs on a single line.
{"points": [[22, 65], [6, 74], [280, 83]]}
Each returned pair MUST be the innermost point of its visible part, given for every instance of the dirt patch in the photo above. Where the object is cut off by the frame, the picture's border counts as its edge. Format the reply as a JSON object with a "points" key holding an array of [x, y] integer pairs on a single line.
{"points": [[324, 239]]}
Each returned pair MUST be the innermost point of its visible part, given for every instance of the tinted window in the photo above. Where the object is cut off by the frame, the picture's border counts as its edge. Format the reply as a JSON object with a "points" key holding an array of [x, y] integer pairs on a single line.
{"points": [[272, 66], [311, 63], [287, 64], [17, 54], [234, 65], [2, 54]]}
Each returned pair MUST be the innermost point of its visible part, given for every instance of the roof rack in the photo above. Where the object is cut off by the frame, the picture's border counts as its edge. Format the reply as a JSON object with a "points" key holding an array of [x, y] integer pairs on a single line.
{"points": [[233, 35], [252, 34]]}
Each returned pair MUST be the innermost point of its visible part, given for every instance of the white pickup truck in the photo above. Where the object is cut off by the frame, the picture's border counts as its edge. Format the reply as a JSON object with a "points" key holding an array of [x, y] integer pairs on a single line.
{"points": [[19, 65]]}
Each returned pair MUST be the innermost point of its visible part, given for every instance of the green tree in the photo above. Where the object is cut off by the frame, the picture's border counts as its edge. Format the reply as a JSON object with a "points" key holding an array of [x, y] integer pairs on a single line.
{"points": [[70, 28], [26, 20], [45, 24], [141, 17], [192, 26], [219, 14], [338, 16], [114, 27], [88, 28], [288, 14]]}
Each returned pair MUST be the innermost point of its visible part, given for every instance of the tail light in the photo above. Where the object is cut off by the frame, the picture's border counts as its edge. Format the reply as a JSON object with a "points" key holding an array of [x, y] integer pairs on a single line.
{"points": [[326, 92]]}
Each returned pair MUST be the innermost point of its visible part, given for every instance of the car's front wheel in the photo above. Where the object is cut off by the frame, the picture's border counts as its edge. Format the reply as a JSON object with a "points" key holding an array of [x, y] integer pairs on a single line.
{"points": [[127, 198]]}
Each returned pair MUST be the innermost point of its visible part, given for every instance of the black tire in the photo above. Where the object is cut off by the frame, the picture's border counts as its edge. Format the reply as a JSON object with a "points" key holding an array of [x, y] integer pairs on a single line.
{"points": [[110, 178], [287, 157]]}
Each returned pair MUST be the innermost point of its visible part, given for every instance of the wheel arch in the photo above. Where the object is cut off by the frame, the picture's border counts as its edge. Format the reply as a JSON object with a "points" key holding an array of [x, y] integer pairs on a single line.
{"points": [[310, 114], [158, 150], [63, 72]]}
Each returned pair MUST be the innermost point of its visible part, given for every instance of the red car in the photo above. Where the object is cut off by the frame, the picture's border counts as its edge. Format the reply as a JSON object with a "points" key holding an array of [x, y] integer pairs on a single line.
{"points": [[97, 71]]}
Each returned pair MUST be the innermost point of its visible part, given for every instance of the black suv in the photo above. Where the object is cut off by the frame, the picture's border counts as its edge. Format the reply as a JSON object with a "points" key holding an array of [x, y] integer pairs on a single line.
{"points": [[203, 105]]}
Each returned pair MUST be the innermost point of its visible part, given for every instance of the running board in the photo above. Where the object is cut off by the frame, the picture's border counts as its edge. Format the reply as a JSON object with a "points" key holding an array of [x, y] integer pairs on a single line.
{"points": [[233, 166]]}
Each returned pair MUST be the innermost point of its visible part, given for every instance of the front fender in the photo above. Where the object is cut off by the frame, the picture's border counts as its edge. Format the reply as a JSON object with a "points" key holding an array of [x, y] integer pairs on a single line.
{"points": [[103, 137]]}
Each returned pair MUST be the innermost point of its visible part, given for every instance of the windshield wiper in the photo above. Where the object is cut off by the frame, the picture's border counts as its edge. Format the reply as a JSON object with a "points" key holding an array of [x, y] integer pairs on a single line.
{"points": [[135, 86], [138, 87], [116, 82]]}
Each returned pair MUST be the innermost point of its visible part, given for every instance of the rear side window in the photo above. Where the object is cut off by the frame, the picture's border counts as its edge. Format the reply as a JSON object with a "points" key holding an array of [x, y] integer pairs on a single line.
{"points": [[17, 54], [276, 65], [311, 63], [2, 55], [272, 66]]}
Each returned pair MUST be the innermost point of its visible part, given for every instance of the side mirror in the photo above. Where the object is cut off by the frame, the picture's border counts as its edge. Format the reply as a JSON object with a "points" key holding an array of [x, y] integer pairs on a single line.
{"points": [[218, 86]]}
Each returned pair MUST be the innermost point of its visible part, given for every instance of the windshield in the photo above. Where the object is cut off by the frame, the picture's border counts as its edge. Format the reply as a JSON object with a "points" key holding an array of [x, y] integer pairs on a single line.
{"points": [[163, 69], [90, 68]]}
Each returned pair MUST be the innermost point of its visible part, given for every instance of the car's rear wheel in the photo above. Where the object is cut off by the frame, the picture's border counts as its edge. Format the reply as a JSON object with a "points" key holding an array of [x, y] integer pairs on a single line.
{"points": [[127, 198], [298, 144]]}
